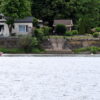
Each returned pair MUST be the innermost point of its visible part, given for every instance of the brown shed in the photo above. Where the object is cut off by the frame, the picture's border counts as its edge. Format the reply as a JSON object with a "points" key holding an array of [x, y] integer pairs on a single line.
{"points": [[67, 23]]}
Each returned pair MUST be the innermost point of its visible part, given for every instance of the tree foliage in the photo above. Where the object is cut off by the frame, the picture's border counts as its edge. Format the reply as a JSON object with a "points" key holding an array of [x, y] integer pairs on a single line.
{"points": [[47, 10], [15, 9]]}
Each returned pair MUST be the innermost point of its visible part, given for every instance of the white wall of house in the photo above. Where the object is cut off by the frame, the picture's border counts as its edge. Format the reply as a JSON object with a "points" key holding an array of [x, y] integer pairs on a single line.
{"points": [[5, 30], [22, 28]]}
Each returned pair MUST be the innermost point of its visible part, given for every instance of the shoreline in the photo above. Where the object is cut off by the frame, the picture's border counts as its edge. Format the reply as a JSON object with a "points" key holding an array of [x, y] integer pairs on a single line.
{"points": [[50, 55]]}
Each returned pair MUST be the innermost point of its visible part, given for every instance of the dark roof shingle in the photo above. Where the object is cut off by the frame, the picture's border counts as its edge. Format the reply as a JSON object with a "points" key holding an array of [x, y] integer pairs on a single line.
{"points": [[25, 20]]}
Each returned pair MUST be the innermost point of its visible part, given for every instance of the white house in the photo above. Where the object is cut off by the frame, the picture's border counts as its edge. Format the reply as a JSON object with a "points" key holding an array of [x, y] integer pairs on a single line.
{"points": [[21, 26], [4, 30]]}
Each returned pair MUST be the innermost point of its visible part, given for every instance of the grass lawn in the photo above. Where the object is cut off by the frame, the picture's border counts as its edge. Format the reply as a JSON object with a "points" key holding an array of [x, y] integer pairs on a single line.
{"points": [[93, 50], [87, 36], [17, 50]]}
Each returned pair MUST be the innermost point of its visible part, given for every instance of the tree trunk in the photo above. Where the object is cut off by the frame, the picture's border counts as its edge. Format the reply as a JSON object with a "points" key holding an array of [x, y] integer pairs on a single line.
{"points": [[50, 23], [10, 29]]}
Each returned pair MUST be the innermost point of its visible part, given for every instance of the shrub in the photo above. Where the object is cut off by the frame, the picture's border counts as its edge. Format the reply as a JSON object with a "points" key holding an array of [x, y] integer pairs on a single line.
{"points": [[35, 22], [93, 50], [82, 29], [97, 29], [84, 25], [96, 34], [27, 43], [69, 33], [38, 33], [46, 30], [74, 32], [41, 33], [60, 29]]}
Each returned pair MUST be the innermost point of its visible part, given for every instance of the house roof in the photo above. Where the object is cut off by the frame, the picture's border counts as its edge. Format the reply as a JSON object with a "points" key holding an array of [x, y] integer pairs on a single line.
{"points": [[28, 19], [65, 22]]}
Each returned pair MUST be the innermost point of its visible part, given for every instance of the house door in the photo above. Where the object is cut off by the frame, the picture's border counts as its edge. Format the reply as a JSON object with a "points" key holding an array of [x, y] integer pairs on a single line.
{"points": [[1, 29]]}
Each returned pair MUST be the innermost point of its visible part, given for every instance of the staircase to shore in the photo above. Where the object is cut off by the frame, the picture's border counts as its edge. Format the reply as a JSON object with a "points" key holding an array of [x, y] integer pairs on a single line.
{"points": [[57, 46]]}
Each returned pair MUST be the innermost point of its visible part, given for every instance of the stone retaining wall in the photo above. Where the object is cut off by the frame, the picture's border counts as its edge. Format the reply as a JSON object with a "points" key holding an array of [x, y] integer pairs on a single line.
{"points": [[70, 44], [73, 44], [9, 42], [65, 44]]}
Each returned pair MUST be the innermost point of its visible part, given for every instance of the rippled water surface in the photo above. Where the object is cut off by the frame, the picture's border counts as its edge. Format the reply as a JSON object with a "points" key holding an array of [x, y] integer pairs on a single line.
{"points": [[50, 78]]}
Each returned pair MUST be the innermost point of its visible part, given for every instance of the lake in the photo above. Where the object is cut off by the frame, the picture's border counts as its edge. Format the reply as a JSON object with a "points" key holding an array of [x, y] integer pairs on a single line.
{"points": [[49, 78]]}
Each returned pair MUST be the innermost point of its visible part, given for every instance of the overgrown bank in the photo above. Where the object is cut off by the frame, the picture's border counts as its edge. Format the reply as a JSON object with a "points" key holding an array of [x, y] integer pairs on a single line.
{"points": [[52, 44]]}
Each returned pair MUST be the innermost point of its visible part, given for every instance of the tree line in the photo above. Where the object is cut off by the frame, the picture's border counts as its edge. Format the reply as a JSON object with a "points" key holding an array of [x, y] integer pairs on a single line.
{"points": [[85, 11]]}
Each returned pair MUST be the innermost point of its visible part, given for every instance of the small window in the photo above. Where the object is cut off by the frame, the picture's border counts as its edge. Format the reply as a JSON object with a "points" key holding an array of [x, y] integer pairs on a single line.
{"points": [[22, 28], [0, 17], [1, 28]]}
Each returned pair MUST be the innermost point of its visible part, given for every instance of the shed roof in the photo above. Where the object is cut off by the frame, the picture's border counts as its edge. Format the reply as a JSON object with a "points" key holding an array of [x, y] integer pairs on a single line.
{"points": [[65, 22]]}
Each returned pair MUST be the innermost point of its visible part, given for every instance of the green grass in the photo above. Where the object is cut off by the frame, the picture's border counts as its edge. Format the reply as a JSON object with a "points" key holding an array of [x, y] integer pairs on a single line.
{"points": [[17, 50], [93, 50], [87, 36], [56, 36], [36, 50], [12, 50]]}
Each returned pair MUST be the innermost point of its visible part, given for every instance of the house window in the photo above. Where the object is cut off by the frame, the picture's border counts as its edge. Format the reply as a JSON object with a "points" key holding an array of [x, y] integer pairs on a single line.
{"points": [[23, 28], [0, 17], [1, 28], [27, 28]]}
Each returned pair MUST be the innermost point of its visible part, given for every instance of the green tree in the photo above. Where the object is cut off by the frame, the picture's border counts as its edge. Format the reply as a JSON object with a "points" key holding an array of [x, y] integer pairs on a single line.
{"points": [[15, 9], [84, 25], [78, 8], [47, 10], [35, 22]]}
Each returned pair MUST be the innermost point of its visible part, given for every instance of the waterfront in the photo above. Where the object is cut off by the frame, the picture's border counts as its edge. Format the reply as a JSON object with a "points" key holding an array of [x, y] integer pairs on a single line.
{"points": [[49, 78]]}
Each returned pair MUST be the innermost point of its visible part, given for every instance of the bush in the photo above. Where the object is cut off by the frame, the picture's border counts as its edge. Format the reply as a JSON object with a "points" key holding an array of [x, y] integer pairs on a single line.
{"points": [[41, 33], [69, 33], [46, 30], [84, 25], [93, 50], [27, 43], [82, 28], [97, 29], [35, 22], [74, 32], [60, 29], [38, 33], [96, 34]]}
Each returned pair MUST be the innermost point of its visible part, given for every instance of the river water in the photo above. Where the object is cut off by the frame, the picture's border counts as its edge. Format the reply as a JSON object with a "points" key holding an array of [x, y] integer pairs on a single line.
{"points": [[50, 78]]}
